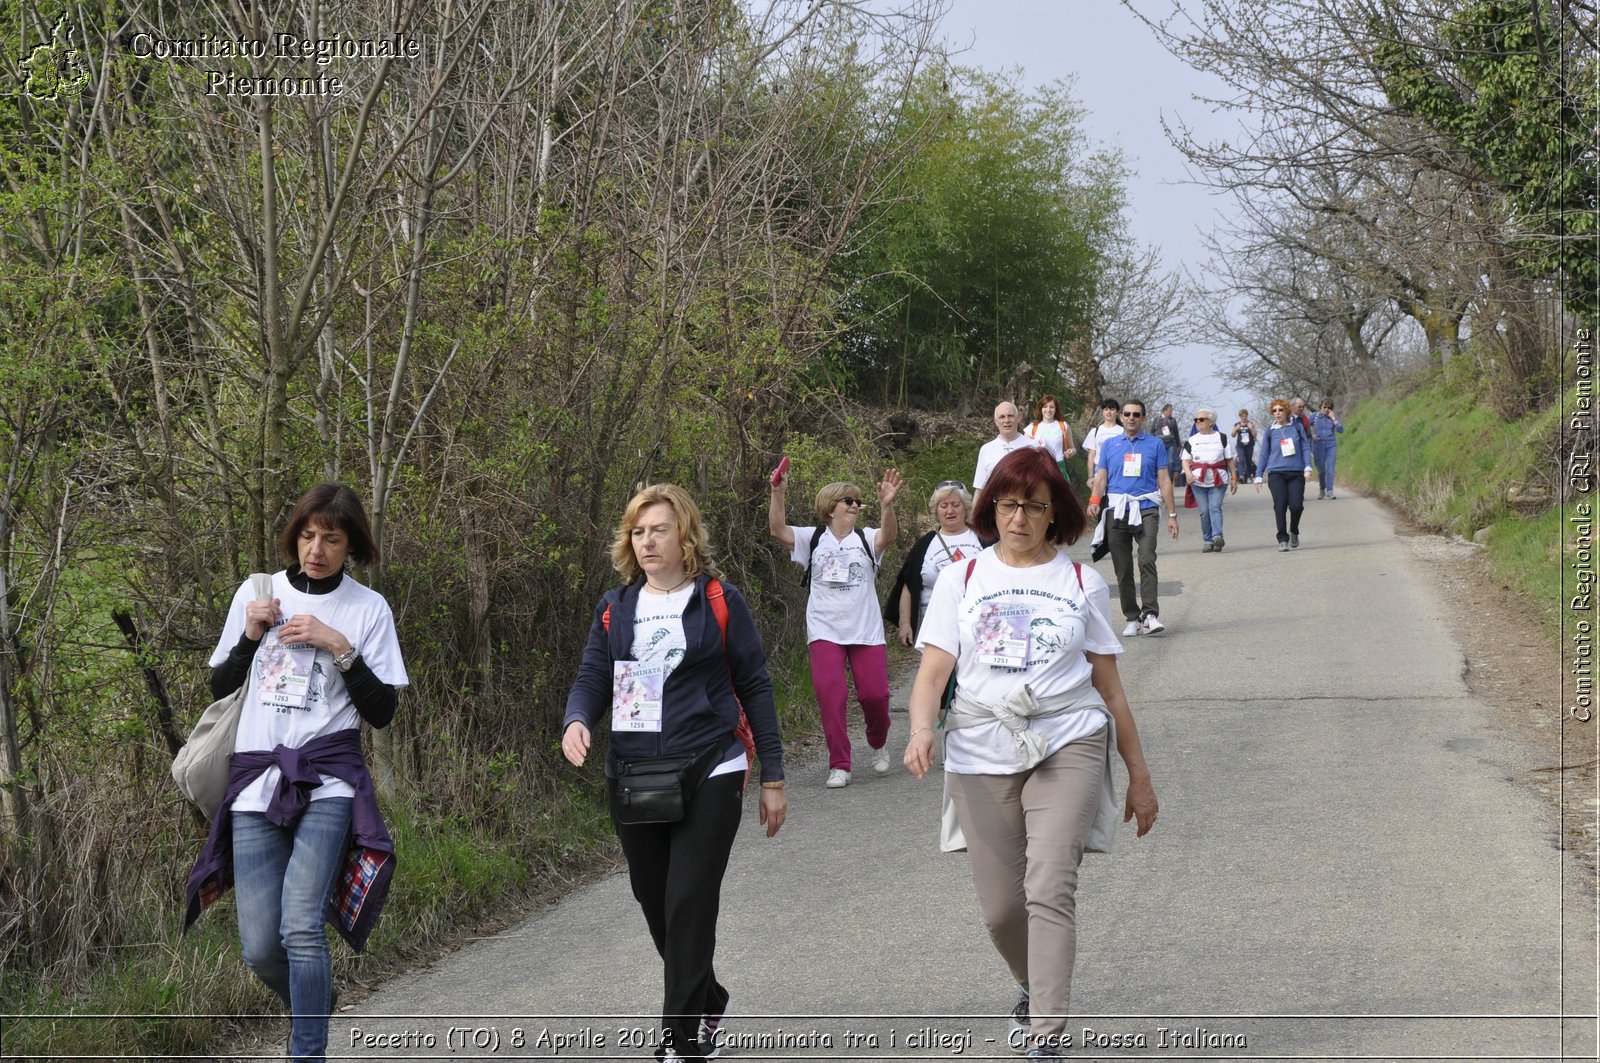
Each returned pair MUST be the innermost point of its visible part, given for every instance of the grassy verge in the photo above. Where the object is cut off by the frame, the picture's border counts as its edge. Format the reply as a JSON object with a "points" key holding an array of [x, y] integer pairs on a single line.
{"points": [[1441, 454], [176, 995]]}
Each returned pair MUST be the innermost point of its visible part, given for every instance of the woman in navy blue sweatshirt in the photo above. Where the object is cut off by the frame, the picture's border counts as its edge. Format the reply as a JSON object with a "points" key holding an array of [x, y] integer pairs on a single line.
{"points": [[1286, 464], [671, 658]]}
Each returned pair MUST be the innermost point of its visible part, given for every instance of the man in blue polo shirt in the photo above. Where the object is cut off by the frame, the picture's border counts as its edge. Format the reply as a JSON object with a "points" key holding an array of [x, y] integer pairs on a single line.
{"points": [[1131, 476]]}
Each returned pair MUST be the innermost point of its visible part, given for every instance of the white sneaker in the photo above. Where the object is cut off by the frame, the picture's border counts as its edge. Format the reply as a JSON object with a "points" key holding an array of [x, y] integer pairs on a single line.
{"points": [[880, 760], [1131, 629], [1153, 625], [838, 779]]}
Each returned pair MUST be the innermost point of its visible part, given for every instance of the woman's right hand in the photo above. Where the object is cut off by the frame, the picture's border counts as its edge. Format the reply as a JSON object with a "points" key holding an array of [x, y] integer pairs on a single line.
{"points": [[260, 616], [907, 637], [575, 743], [919, 752]]}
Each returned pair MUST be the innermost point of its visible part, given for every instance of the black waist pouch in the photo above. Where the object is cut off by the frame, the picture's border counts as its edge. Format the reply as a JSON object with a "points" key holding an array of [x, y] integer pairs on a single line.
{"points": [[659, 789]]}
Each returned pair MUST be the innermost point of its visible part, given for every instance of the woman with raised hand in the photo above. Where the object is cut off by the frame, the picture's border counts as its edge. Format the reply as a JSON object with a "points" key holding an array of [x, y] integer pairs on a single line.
{"points": [[671, 657], [1038, 708], [1108, 428], [844, 625], [315, 659]]}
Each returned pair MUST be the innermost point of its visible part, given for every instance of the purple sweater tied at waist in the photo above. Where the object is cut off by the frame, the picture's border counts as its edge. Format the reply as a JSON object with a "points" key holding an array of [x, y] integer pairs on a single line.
{"points": [[363, 883]]}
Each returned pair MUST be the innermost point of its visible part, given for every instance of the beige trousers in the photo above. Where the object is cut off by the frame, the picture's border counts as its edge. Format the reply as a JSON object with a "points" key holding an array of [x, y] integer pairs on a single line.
{"points": [[1025, 836]]}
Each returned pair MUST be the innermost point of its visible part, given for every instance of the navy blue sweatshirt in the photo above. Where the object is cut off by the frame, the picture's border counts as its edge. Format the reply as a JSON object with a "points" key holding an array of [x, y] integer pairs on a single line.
{"points": [[698, 703]]}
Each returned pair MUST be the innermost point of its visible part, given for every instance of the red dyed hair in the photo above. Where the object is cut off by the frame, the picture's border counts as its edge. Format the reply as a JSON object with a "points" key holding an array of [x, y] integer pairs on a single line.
{"points": [[1015, 477]]}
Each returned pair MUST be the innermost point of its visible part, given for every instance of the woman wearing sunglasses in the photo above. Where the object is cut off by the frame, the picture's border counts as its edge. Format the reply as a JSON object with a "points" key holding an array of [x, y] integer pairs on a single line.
{"points": [[1286, 464], [844, 626], [1038, 708], [1208, 469], [950, 541]]}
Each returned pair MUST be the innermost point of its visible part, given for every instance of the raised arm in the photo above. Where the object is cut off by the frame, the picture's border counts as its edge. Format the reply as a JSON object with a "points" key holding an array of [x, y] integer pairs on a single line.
{"points": [[777, 515]]}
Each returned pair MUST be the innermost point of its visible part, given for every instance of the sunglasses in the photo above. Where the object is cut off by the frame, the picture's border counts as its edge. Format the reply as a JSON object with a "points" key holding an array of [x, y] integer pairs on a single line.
{"points": [[1206, 419], [851, 501], [942, 484], [1132, 413]]}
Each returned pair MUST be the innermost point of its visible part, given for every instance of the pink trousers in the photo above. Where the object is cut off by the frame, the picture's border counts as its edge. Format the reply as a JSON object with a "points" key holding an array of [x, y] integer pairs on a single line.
{"points": [[870, 666]]}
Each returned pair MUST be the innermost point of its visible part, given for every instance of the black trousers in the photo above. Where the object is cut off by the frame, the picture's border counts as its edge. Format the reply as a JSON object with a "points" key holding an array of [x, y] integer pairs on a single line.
{"points": [[676, 872], [1288, 493]]}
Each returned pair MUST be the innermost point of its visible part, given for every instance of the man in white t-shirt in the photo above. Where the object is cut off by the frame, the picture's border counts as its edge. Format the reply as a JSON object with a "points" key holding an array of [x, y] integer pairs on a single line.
{"points": [[1010, 437]]}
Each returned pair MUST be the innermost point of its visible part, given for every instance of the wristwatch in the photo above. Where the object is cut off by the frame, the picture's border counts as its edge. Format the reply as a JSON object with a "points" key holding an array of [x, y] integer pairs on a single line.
{"points": [[346, 659]]}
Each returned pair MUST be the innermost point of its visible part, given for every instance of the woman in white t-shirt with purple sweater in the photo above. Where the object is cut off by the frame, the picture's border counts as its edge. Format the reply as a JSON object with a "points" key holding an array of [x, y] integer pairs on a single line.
{"points": [[1038, 708], [844, 626]]}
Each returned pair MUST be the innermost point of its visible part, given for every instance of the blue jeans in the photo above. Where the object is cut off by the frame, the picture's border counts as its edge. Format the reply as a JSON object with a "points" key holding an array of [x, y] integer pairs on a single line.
{"points": [[281, 880], [1327, 456], [1210, 499]]}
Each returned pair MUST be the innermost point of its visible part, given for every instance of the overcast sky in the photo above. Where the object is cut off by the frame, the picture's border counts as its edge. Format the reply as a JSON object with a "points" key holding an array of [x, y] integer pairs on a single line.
{"points": [[1126, 82]]}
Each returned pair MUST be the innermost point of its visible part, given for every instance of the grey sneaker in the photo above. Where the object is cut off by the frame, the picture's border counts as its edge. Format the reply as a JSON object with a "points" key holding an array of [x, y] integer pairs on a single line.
{"points": [[1294, 542], [1283, 547], [1206, 549], [1216, 544], [1021, 1022]]}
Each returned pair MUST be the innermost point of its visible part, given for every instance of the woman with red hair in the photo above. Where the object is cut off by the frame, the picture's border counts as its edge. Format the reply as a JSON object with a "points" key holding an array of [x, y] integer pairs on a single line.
{"points": [[1038, 708]]}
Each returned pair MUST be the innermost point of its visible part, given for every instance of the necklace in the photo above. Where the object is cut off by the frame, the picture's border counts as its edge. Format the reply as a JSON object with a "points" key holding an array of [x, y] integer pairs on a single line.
{"points": [[1014, 562], [670, 590]]}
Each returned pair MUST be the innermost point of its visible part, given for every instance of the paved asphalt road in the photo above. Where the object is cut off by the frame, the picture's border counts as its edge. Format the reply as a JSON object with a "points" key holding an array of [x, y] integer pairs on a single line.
{"points": [[1342, 870]]}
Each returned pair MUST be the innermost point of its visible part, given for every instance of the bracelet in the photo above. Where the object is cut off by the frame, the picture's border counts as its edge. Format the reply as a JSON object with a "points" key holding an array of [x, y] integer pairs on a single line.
{"points": [[918, 731], [777, 785]]}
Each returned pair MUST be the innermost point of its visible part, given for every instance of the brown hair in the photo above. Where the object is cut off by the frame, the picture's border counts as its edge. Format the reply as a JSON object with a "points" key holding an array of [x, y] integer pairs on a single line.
{"points": [[330, 506], [1017, 474], [1038, 408], [691, 532]]}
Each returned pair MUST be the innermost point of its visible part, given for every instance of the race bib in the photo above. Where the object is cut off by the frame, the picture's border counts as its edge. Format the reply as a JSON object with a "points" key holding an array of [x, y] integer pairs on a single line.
{"points": [[835, 569], [1132, 464], [940, 564], [1286, 446], [1003, 635], [636, 695], [1166, 429], [283, 674], [1244, 437]]}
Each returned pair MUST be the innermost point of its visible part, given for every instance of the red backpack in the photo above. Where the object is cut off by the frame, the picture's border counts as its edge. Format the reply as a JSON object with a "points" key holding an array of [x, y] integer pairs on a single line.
{"points": [[719, 609]]}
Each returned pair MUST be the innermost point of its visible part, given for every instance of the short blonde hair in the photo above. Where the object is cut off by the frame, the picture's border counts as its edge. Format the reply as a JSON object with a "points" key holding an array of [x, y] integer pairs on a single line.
{"points": [[951, 488], [691, 532], [832, 495]]}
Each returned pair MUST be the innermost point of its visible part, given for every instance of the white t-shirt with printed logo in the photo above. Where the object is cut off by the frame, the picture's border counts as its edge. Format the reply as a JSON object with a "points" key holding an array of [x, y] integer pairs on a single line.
{"points": [[1048, 434], [658, 627], [1210, 447], [355, 611], [943, 551], [843, 606], [1062, 622]]}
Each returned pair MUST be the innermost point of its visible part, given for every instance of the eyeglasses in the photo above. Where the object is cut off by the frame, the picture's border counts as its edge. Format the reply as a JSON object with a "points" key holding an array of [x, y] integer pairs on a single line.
{"points": [[1206, 419], [1132, 413], [942, 484], [851, 501], [1006, 508], [1280, 409]]}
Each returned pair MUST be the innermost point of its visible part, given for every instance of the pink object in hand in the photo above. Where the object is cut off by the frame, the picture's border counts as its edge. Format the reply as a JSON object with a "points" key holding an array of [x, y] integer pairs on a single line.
{"points": [[777, 474]]}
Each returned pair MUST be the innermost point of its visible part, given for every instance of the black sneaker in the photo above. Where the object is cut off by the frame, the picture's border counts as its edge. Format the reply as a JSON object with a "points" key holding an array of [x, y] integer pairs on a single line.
{"points": [[1294, 542]]}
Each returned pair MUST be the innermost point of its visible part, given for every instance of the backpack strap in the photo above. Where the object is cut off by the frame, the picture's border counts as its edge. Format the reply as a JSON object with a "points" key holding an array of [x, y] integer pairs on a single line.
{"points": [[719, 609], [811, 556]]}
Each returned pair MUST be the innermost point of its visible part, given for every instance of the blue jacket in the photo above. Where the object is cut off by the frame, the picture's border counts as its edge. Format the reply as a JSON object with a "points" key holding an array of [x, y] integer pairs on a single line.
{"points": [[1324, 427], [1272, 459], [701, 697]]}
